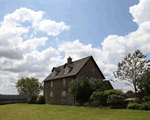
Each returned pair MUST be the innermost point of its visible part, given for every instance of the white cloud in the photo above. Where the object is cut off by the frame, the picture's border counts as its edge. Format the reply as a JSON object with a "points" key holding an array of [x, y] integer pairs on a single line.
{"points": [[52, 28], [20, 57], [140, 12]]}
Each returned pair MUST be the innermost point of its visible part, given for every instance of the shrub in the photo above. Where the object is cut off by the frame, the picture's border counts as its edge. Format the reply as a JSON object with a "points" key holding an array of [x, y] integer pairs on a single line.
{"points": [[78, 104], [86, 104], [135, 106], [145, 106], [146, 98], [99, 96], [96, 103], [32, 100], [115, 100], [137, 100], [103, 97], [40, 99]]}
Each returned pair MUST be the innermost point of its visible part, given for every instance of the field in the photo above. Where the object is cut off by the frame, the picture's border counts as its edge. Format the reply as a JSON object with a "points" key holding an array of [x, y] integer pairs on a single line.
{"points": [[56, 112]]}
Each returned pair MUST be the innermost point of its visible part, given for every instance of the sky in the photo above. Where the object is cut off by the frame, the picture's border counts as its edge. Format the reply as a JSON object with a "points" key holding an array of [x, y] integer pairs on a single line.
{"points": [[36, 36]]}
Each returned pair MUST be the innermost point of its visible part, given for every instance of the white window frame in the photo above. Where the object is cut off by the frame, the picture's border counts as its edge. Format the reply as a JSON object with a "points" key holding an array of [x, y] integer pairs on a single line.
{"points": [[67, 69], [64, 82], [51, 84], [55, 73], [51, 95], [64, 95]]}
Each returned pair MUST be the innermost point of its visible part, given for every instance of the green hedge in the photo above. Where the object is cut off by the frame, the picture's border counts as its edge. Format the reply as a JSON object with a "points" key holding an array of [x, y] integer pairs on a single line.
{"points": [[136, 106], [113, 97]]}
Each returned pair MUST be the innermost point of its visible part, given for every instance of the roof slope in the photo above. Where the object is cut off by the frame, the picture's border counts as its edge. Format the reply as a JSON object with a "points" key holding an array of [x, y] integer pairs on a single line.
{"points": [[77, 65]]}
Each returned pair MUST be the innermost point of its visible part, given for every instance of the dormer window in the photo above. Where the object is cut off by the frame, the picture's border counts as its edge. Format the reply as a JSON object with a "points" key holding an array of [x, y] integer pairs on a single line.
{"points": [[55, 73], [67, 69]]}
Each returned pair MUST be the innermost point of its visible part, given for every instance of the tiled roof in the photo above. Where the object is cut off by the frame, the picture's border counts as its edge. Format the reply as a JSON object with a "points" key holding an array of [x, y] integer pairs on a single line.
{"points": [[77, 65]]}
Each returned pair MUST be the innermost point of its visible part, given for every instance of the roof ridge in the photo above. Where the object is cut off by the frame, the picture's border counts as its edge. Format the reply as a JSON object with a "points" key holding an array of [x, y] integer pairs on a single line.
{"points": [[76, 60]]}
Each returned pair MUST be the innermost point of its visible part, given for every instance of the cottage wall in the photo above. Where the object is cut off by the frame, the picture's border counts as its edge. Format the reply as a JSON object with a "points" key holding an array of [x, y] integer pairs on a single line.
{"points": [[57, 92], [90, 70]]}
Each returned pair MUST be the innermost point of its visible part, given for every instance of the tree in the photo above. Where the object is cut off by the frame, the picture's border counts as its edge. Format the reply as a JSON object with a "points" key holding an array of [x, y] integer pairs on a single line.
{"points": [[131, 68], [144, 82], [83, 87], [29, 86]]}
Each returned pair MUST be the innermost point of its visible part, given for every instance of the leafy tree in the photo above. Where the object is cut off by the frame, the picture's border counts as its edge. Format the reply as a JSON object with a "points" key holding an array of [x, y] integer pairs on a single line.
{"points": [[144, 82], [131, 68], [129, 92], [40, 99], [83, 87], [29, 86]]}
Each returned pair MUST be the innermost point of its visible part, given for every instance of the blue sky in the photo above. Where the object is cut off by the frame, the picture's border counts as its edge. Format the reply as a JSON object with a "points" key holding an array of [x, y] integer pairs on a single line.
{"points": [[41, 35], [91, 20]]}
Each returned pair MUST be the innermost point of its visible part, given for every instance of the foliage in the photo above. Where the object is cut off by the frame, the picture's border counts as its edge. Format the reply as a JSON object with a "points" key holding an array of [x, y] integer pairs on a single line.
{"points": [[32, 100], [86, 104], [99, 96], [41, 99], [96, 103], [78, 104], [129, 92], [137, 100], [135, 106], [115, 100], [145, 106], [29, 86], [109, 97], [83, 87], [131, 68], [144, 82]]}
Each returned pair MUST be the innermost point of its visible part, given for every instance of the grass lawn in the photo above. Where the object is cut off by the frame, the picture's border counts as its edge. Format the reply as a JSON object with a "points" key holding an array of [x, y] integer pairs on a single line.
{"points": [[56, 112]]}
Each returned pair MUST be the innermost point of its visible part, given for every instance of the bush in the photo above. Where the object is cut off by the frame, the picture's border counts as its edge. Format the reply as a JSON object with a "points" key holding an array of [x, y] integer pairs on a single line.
{"points": [[137, 100], [86, 104], [145, 106], [105, 96], [146, 98], [135, 106], [96, 103], [78, 104], [32, 100], [99, 96], [40, 99], [115, 100]]}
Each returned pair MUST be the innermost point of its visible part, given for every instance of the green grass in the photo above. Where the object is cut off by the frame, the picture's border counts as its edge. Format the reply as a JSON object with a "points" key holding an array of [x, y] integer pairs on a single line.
{"points": [[56, 112]]}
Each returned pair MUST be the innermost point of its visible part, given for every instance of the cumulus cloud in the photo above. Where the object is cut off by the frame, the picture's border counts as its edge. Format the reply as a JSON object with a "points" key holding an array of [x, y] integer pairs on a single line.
{"points": [[52, 28], [140, 12], [12, 43], [19, 57]]}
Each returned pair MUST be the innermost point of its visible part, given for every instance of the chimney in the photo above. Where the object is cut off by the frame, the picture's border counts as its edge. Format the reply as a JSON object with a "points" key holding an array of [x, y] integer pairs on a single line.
{"points": [[69, 60]]}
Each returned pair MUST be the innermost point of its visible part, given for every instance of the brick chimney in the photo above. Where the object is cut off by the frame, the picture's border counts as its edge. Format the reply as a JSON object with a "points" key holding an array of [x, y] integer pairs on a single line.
{"points": [[69, 60]]}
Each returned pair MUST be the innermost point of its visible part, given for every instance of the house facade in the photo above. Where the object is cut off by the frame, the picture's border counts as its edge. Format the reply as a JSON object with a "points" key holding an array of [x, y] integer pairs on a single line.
{"points": [[56, 84]]}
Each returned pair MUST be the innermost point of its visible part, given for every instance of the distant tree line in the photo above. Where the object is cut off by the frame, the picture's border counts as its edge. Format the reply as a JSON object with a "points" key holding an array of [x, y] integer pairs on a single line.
{"points": [[13, 98]]}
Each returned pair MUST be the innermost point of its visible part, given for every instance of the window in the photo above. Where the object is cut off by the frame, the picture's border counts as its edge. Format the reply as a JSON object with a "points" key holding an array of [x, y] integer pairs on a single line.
{"points": [[51, 95], [63, 95], [55, 73], [67, 69], [93, 70], [64, 82], [51, 84]]}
